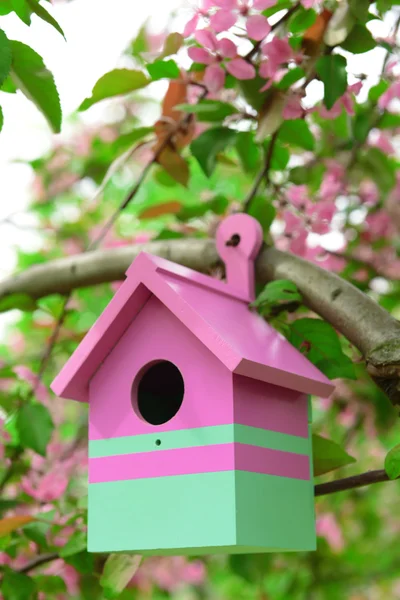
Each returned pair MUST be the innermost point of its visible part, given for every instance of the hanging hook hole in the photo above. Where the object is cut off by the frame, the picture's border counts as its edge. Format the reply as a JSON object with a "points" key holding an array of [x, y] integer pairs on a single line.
{"points": [[234, 241]]}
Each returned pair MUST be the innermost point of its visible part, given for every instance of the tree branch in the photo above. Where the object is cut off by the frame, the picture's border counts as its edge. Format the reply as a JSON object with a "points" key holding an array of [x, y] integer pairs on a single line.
{"points": [[263, 174], [42, 559], [351, 483], [359, 318]]}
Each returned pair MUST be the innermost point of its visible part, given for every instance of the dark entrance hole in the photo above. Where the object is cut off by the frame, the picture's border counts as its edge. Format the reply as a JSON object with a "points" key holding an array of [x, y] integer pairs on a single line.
{"points": [[160, 393]]}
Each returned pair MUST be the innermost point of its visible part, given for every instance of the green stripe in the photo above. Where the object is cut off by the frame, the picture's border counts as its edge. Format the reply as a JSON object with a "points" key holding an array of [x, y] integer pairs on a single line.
{"points": [[202, 436], [232, 511]]}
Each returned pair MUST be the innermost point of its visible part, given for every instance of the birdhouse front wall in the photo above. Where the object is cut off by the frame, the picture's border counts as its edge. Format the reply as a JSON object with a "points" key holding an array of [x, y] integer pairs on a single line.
{"points": [[230, 472]]}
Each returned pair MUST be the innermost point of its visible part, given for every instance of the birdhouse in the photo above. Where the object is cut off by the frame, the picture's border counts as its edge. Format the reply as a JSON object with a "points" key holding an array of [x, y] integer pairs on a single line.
{"points": [[199, 426]]}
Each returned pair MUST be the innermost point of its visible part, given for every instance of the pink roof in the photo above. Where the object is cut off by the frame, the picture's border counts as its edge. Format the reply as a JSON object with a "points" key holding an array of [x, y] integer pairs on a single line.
{"points": [[215, 312]]}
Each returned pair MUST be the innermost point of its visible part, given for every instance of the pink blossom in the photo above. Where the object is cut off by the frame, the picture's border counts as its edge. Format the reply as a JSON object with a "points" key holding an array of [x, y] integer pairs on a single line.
{"points": [[278, 51], [297, 195], [257, 27], [214, 78], [49, 488], [328, 527], [216, 52], [169, 573], [368, 192], [330, 187], [228, 13], [293, 108], [380, 140], [379, 225], [241, 69], [222, 20], [201, 11], [320, 216]]}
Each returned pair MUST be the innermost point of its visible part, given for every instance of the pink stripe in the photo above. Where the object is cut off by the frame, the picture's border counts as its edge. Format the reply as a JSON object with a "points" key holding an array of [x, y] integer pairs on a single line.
{"points": [[202, 459]]}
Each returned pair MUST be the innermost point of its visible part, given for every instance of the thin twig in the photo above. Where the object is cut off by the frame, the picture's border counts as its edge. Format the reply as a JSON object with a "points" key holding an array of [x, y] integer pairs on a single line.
{"points": [[263, 174], [350, 483], [42, 559]]}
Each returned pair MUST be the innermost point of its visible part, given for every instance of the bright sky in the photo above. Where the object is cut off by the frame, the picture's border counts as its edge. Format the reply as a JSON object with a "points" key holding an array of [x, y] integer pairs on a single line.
{"points": [[97, 32]]}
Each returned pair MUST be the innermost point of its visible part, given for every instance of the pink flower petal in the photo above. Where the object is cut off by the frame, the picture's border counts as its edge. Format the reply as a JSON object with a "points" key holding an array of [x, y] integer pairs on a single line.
{"points": [[263, 4], [258, 27], [293, 108], [278, 52], [227, 4], [308, 3], [200, 55], [227, 48], [222, 20], [206, 38], [191, 26], [214, 78], [241, 69]]}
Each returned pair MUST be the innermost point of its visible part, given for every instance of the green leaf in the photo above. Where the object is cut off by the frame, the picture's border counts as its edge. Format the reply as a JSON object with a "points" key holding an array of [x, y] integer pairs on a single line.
{"points": [[5, 7], [118, 571], [41, 12], [127, 140], [380, 168], [30, 75], [140, 44], [6, 505], [17, 586], [389, 121], [290, 78], [217, 205], [280, 157], [248, 151], [209, 144], [5, 57], [115, 83], [8, 86], [281, 291], [22, 10], [250, 90], [332, 72], [37, 533], [209, 110], [161, 69], [362, 124], [50, 584], [172, 44], [1, 118], [82, 562], [377, 90], [297, 133], [34, 426], [320, 343], [75, 545], [392, 463], [262, 209], [302, 19], [359, 40], [328, 456], [360, 9], [17, 301]]}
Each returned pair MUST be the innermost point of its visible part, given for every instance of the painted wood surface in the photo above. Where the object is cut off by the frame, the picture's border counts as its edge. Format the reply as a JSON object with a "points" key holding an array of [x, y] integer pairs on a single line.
{"points": [[208, 309], [246, 512]]}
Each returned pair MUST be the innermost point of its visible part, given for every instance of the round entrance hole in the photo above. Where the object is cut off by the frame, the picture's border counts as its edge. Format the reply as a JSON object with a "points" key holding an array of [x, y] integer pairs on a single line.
{"points": [[159, 392]]}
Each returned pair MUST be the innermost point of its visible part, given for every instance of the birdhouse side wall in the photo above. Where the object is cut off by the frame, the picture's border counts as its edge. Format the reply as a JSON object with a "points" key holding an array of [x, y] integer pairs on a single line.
{"points": [[274, 480]]}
